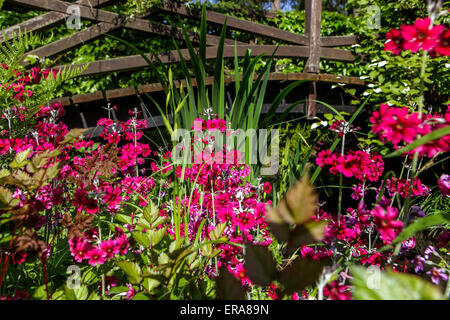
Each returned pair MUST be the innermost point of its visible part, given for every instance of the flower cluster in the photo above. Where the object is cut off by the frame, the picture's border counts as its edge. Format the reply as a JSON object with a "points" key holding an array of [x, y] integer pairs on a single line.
{"points": [[401, 187], [358, 164], [398, 125], [421, 35], [85, 248], [385, 220]]}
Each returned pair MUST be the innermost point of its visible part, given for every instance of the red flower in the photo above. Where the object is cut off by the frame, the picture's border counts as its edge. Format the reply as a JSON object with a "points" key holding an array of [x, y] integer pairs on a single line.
{"points": [[420, 35], [267, 187], [443, 47], [384, 219], [395, 42], [96, 256], [337, 291]]}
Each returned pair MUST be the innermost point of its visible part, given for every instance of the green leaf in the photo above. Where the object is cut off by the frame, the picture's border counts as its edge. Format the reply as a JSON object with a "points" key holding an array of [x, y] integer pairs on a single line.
{"points": [[20, 160], [123, 218], [421, 224], [72, 135], [4, 173], [79, 293], [260, 265], [132, 270], [216, 234], [143, 238], [151, 212], [388, 285], [31, 58], [141, 296], [157, 236], [5, 195]]}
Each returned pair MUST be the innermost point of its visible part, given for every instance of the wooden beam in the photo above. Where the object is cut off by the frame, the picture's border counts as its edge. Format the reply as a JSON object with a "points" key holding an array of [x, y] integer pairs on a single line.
{"points": [[137, 62], [237, 24], [115, 19], [255, 28], [71, 41], [46, 20], [156, 87]]}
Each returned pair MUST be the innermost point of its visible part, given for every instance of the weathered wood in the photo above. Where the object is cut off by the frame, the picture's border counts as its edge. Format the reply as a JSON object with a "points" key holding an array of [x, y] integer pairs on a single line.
{"points": [[313, 13], [72, 41], [255, 28], [237, 24], [46, 20], [337, 41], [122, 92], [87, 97], [136, 61], [117, 20], [155, 87]]}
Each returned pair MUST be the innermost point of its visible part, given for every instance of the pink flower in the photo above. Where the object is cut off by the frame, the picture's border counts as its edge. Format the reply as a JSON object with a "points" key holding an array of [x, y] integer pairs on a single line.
{"points": [[131, 292], [337, 291], [267, 187], [96, 256], [110, 248], [112, 196], [420, 35], [444, 185], [323, 158], [395, 42], [384, 219], [443, 47]]}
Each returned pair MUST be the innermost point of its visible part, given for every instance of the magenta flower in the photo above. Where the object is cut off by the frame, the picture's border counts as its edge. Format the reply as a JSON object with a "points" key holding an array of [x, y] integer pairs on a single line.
{"points": [[444, 185], [443, 47], [96, 256], [420, 35], [110, 248], [395, 42], [387, 226], [337, 291]]}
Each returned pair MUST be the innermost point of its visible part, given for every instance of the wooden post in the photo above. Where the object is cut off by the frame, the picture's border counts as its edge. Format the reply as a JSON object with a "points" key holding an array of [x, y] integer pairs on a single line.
{"points": [[313, 17]]}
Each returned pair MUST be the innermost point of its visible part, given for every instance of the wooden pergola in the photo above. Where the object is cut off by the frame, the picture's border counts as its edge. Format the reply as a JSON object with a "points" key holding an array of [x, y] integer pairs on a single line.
{"points": [[310, 45]]}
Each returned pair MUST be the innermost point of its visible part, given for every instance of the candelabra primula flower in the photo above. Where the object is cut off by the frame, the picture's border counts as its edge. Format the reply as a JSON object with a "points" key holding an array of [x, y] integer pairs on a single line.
{"points": [[420, 35], [387, 225]]}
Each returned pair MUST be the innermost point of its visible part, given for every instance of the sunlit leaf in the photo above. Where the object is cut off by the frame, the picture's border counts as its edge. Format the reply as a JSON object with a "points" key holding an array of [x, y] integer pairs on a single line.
{"points": [[387, 285]]}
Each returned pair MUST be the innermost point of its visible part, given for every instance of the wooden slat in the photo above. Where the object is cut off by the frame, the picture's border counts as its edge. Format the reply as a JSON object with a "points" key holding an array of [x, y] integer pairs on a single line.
{"points": [[46, 20], [155, 87], [116, 19], [72, 41], [118, 93], [136, 61], [256, 28], [237, 24], [337, 41], [87, 97]]}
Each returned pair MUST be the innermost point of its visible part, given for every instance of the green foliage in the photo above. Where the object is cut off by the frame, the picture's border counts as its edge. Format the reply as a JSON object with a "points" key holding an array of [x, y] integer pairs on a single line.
{"points": [[391, 286], [12, 52]]}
